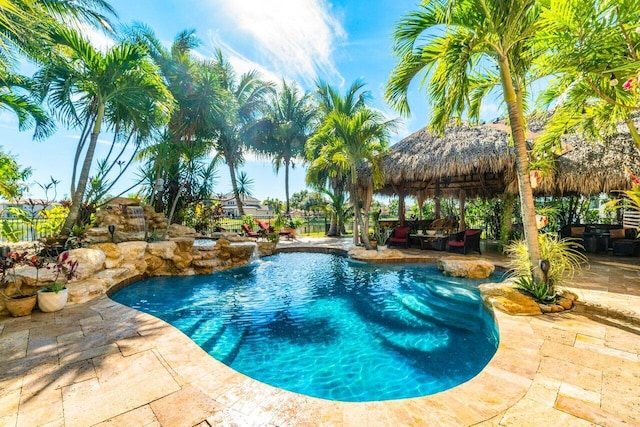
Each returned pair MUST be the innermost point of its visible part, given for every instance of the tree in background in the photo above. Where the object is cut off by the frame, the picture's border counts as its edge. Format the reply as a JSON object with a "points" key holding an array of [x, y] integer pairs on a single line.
{"points": [[181, 158], [241, 101], [351, 133], [467, 41], [283, 131], [12, 177]]}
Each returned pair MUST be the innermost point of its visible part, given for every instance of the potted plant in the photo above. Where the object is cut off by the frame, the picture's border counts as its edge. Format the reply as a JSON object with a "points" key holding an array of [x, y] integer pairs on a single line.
{"points": [[54, 297], [17, 302]]}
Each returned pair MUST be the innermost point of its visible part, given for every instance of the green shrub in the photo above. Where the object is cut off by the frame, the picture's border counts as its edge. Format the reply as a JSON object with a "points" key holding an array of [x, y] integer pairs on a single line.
{"points": [[564, 258]]}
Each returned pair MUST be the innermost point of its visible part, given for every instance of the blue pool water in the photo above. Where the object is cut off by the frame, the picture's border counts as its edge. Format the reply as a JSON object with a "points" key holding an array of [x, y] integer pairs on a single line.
{"points": [[326, 326]]}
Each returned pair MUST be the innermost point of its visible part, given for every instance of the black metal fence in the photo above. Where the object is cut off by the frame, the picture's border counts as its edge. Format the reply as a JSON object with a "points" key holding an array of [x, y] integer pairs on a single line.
{"points": [[311, 224], [15, 229]]}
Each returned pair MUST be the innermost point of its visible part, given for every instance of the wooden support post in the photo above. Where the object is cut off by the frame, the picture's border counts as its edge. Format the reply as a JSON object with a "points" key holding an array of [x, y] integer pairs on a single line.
{"points": [[462, 225]]}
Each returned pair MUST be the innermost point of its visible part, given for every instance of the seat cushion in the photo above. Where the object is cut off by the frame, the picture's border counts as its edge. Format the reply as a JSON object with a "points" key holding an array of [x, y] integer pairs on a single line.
{"points": [[577, 231], [617, 233], [457, 243]]}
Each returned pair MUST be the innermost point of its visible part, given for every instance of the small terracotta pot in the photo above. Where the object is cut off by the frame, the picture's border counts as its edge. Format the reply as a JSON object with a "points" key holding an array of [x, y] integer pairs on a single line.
{"points": [[21, 306]]}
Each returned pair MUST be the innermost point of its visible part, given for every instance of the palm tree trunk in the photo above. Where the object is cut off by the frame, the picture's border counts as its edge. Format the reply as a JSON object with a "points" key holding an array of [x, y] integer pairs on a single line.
{"points": [[527, 206], [234, 185], [78, 195], [287, 161]]}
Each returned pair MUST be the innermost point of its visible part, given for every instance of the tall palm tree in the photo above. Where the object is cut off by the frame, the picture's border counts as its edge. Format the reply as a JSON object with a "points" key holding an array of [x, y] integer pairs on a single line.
{"points": [[356, 134], [196, 88], [85, 88], [25, 31], [241, 101], [458, 42], [284, 130]]}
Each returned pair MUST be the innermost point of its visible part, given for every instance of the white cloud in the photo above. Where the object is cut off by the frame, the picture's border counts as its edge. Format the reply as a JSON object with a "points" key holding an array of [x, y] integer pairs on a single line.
{"points": [[297, 36], [98, 39], [241, 64]]}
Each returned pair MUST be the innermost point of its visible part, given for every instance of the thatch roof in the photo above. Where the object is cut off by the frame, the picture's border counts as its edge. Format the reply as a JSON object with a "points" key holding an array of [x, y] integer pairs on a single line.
{"points": [[592, 168], [475, 158], [479, 160]]}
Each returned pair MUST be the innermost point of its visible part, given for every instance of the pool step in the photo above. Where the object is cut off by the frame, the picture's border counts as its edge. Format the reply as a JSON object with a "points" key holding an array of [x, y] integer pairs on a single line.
{"points": [[226, 346], [450, 315], [424, 342]]}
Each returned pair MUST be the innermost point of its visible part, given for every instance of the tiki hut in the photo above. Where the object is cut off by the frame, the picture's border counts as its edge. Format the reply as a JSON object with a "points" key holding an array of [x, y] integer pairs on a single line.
{"points": [[477, 161]]}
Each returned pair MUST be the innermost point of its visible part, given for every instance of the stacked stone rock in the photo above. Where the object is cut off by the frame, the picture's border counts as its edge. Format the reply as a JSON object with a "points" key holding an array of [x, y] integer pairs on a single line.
{"points": [[156, 221]]}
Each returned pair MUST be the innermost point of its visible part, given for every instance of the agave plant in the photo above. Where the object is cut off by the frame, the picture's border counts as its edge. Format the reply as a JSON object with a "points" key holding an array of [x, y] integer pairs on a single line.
{"points": [[565, 259]]}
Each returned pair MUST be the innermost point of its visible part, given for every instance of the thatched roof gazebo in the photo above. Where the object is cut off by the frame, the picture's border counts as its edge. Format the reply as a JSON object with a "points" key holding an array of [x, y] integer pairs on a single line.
{"points": [[471, 161]]}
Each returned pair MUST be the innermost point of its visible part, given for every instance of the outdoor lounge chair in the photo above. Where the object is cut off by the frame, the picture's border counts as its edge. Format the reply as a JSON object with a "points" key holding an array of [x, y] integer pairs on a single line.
{"points": [[266, 228], [465, 241], [250, 233], [399, 236]]}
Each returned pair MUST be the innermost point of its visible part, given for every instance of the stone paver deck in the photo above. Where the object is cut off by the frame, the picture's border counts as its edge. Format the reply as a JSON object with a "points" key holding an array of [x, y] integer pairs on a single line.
{"points": [[104, 364]]}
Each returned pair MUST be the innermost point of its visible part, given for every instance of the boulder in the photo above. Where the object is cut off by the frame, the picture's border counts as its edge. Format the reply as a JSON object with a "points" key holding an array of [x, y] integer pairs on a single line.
{"points": [[112, 253], [85, 290], [132, 250], [177, 230], [361, 254], [163, 250], [505, 297], [89, 261], [266, 248], [124, 201], [468, 267]]}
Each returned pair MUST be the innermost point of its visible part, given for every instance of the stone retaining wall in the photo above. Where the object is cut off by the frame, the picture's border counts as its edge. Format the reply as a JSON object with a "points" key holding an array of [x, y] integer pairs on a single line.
{"points": [[105, 265]]}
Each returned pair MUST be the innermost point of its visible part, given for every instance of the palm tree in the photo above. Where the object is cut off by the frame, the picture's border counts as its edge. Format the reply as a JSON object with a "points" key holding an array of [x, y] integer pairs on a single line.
{"points": [[240, 103], [458, 42], [594, 55], [196, 88], [283, 131], [355, 134], [86, 88], [25, 31]]}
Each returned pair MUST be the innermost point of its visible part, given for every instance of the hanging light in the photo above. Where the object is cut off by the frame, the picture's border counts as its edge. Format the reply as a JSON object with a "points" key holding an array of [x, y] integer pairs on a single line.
{"points": [[613, 81]]}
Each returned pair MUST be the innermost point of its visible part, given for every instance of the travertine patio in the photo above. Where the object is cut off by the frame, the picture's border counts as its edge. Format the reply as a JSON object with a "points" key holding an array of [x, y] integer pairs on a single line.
{"points": [[104, 364]]}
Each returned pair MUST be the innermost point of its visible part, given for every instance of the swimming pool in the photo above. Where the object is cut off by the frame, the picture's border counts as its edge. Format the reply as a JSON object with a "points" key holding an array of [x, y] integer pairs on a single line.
{"points": [[328, 327]]}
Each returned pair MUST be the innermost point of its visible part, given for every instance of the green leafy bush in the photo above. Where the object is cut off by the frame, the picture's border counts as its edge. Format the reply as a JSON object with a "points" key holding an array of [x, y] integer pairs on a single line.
{"points": [[564, 256]]}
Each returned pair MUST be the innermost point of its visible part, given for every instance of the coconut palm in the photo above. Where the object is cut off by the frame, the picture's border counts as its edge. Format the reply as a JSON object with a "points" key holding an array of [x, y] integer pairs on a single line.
{"points": [[284, 130], [240, 103], [87, 87], [355, 134], [459, 44]]}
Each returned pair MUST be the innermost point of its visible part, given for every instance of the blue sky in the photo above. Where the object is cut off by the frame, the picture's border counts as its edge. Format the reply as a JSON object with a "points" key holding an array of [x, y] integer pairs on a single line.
{"points": [[299, 40]]}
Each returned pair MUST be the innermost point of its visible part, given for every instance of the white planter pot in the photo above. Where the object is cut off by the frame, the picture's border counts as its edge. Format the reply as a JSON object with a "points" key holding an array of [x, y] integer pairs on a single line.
{"points": [[52, 301]]}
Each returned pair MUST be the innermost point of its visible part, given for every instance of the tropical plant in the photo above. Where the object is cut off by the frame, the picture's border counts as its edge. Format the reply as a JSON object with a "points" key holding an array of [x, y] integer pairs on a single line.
{"points": [[564, 257], [352, 134], [461, 44], [591, 48], [180, 159], [90, 89], [241, 101], [283, 131], [12, 177], [26, 29]]}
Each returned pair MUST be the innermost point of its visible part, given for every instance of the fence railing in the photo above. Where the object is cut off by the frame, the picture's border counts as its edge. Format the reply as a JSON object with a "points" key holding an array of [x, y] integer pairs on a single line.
{"points": [[16, 229], [312, 224]]}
